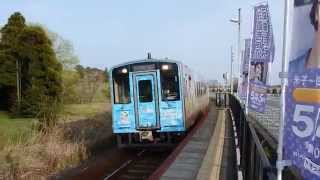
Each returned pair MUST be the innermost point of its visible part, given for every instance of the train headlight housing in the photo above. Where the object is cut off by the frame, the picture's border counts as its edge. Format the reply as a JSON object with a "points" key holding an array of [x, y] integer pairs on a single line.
{"points": [[165, 67], [124, 70]]}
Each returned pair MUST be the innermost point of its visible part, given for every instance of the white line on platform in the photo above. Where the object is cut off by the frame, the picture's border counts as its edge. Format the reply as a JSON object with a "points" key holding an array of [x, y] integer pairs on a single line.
{"points": [[238, 156], [240, 177]]}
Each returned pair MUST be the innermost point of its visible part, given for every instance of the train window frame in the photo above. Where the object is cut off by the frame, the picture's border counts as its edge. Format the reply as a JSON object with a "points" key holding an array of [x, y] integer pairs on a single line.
{"points": [[143, 88], [173, 69], [121, 74]]}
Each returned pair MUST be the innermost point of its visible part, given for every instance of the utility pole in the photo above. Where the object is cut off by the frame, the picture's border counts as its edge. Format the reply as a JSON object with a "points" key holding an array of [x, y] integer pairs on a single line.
{"points": [[239, 44], [238, 22], [231, 71]]}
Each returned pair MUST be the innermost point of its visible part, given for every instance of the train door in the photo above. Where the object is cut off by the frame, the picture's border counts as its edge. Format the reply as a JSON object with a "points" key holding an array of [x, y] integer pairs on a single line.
{"points": [[146, 101]]}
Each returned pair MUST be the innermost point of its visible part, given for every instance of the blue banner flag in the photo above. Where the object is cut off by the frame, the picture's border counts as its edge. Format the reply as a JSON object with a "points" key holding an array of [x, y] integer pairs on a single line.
{"points": [[262, 53], [301, 139], [262, 44]]}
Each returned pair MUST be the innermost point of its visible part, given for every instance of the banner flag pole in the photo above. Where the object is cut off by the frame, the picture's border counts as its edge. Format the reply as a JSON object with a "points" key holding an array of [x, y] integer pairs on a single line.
{"points": [[283, 75]]}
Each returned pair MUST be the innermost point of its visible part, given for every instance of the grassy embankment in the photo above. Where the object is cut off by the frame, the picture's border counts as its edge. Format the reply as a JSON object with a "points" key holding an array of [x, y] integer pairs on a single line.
{"points": [[26, 153], [14, 130]]}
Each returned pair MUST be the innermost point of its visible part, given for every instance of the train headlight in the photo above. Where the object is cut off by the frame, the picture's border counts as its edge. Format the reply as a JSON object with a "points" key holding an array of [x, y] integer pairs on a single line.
{"points": [[165, 67], [124, 70]]}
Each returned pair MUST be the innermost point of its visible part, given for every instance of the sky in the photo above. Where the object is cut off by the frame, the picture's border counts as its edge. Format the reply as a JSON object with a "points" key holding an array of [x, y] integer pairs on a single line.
{"points": [[108, 32]]}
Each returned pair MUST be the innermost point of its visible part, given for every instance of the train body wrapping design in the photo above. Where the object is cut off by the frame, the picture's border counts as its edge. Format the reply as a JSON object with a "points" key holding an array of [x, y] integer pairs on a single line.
{"points": [[155, 100]]}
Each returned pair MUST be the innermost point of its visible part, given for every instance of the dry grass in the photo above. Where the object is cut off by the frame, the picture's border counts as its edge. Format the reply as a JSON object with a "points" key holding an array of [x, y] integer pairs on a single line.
{"points": [[74, 112], [66, 145]]}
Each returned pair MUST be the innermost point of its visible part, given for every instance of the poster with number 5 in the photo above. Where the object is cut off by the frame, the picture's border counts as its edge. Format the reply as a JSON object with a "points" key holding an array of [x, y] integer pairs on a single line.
{"points": [[258, 96], [302, 120]]}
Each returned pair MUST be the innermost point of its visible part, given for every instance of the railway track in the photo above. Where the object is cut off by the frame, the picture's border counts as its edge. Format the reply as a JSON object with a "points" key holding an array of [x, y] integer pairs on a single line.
{"points": [[124, 164], [141, 166]]}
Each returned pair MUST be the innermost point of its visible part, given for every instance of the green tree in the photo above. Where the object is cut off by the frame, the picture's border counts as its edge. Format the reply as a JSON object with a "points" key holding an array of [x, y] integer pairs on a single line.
{"points": [[7, 81], [92, 85], [70, 80], [10, 32], [11, 61], [65, 54], [28, 62], [81, 70], [43, 71], [64, 51]]}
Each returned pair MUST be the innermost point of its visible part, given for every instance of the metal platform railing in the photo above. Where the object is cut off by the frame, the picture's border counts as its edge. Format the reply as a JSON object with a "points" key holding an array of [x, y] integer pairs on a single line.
{"points": [[255, 162], [257, 146]]}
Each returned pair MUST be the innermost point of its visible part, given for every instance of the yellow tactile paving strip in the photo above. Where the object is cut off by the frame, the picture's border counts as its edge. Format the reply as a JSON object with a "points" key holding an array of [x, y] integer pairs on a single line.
{"points": [[210, 168]]}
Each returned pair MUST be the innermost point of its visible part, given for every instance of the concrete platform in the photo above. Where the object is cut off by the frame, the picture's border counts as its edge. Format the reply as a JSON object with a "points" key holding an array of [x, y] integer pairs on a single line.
{"points": [[211, 164], [209, 154], [189, 161]]}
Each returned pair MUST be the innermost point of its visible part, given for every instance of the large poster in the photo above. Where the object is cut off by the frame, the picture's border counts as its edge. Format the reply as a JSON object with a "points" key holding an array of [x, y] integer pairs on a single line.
{"points": [[262, 52], [302, 124]]}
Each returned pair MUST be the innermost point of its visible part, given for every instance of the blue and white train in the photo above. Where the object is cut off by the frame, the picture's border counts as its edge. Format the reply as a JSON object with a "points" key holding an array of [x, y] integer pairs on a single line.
{"points": [[155, 101]]}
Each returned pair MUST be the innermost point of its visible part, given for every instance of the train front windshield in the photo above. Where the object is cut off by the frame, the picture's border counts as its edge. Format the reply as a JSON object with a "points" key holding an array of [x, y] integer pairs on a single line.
{"points": [[169, 79], [169, 82]]}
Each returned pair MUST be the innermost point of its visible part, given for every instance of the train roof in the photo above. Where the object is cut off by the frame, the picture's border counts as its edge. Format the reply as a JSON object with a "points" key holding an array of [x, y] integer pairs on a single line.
{"points": [[157, 60], [146, 60]]}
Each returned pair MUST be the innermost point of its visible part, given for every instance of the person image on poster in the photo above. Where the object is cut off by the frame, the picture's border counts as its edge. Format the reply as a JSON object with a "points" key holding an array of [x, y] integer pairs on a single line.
{"points": [[311, 59], [256, 72]]}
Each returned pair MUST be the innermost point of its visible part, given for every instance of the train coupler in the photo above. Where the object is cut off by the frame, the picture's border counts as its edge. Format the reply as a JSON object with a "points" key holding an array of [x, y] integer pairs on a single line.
{"points": [[146, 135]]}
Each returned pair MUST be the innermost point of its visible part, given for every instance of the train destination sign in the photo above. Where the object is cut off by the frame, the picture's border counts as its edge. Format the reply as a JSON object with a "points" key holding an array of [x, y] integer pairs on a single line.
{"points": [[143, 67]]}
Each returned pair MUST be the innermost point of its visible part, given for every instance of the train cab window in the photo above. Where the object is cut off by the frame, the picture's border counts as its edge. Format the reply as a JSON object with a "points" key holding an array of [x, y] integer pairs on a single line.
{"points": [[121, 86], [145, 91], [170, 90]]}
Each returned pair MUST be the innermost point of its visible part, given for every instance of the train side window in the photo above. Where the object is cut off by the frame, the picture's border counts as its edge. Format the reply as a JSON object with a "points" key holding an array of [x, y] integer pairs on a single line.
{"points": [[169, 78], [121, 87], [145, 91]]}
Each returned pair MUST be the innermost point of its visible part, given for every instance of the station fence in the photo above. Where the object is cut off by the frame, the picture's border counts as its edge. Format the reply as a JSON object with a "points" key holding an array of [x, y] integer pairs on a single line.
{"points": [[257, 147], [254, 162]]}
